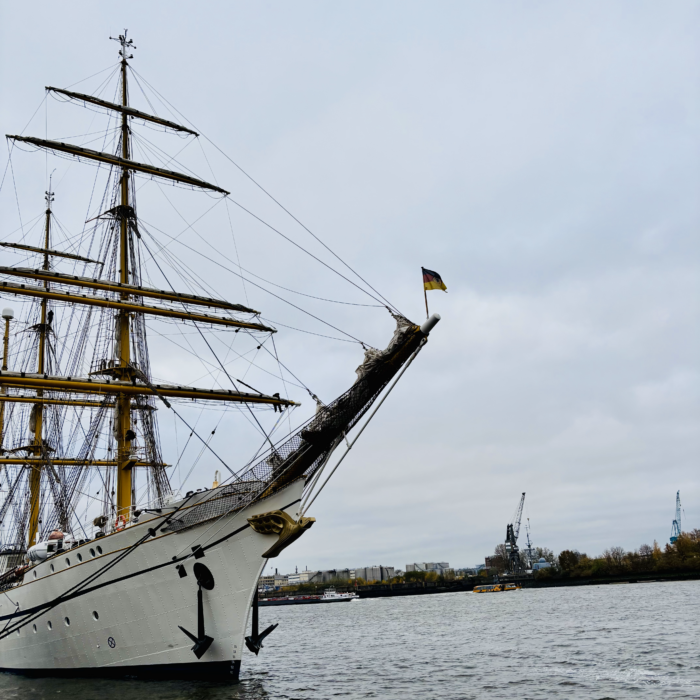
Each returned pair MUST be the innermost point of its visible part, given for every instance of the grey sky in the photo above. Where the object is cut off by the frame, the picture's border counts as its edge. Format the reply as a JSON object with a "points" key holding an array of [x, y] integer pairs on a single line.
{"points": [[542, 156]]}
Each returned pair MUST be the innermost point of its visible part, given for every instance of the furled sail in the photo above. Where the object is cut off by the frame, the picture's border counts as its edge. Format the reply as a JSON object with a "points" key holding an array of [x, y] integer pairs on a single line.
{"points": [[46, 251], [108, 303], [112, 159], [129, 111], [118, 287], [99, 385]]}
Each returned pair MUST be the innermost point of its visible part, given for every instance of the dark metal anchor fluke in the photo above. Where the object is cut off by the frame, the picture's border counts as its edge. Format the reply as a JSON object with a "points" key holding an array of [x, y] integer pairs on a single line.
{"points": [[202, 641], [255, 641]]}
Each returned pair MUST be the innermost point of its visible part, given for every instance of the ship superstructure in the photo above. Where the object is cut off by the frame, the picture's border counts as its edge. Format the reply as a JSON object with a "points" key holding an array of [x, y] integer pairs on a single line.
{"points": [[156, 583]]}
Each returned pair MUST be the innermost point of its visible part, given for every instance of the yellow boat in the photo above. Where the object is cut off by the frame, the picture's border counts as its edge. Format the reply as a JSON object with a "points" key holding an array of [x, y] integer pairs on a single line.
{"points": [[497, 588]]}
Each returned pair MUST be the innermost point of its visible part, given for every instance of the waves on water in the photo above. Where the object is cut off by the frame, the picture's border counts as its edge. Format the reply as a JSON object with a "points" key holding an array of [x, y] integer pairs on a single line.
{"points": [[598, 642]]}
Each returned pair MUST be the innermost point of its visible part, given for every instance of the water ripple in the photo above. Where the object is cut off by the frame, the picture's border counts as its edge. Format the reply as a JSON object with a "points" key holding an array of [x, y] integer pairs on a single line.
{"points": [[597, 643]]}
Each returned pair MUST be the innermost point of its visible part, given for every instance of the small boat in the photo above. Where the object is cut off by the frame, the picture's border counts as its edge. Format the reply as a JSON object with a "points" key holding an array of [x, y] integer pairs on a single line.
{"points": [[497, 588], [330, 595]]}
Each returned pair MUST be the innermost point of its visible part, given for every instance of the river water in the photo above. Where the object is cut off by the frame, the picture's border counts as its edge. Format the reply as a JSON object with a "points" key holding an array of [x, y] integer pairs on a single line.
{"points": [[616, 641]]}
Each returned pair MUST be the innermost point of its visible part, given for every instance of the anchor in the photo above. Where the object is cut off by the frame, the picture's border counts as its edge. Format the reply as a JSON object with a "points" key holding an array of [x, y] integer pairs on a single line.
{"points": [[254, 641], [202, 641]]}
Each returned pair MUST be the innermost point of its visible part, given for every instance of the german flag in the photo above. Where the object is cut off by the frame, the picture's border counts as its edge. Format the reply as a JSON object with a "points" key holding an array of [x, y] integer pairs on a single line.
{"points": [[431, 280]]}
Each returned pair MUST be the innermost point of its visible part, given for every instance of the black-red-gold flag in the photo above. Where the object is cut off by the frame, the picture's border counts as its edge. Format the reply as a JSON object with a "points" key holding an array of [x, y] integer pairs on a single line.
{"points": [[431, 280]]}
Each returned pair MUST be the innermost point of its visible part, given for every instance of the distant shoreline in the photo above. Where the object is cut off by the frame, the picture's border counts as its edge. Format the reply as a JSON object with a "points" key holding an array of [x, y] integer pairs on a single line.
{"points": [[598, 581], [387, 590]]}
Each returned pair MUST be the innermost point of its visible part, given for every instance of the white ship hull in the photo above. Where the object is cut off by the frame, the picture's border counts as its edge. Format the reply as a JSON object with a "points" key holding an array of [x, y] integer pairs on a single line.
{"points": [[142, 601]]}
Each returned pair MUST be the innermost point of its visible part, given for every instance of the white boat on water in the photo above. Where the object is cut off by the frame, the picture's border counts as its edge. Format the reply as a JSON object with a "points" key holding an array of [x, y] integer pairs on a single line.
{"points": [[330, 595], [156, 584]]}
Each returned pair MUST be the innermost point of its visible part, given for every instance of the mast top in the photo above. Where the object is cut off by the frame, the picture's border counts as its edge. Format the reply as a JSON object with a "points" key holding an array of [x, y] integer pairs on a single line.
{"points": [[127, 45], [49, 193]]}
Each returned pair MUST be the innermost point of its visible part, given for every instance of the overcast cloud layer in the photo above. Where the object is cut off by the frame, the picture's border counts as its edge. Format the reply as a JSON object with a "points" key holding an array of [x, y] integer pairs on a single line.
{"points": [[542, 156]]}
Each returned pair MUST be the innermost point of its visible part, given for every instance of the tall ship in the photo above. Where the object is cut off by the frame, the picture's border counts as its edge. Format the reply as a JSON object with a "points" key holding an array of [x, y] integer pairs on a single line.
{"points": [[106, 567]]}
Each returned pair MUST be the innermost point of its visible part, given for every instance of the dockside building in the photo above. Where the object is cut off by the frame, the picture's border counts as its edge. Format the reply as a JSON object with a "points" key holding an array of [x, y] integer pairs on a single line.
{"points": [[439, 567]]}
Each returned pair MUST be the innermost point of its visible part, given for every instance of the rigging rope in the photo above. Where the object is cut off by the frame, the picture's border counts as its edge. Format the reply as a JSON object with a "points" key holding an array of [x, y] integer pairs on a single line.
{"points": [[311, 296], [177, 464], [114, 67], [19, 212], [277, 296], [199, 330], [311, 393], [279, 204], [304, 507], [239, 356], [145, 380], [12, 146], [294, 243]]}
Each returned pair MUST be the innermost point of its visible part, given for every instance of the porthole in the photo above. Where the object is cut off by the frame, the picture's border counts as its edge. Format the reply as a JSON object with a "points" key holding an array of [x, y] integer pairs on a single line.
{"points": [[67, 621], [80, 557], [95, 616], [52, 569], [49, 625], [92, 552], [67, 561], [34, 628], [99, 549]]}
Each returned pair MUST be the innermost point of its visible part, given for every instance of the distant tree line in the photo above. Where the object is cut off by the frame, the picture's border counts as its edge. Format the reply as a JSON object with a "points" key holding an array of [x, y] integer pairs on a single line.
{"points": [[681, 556]]}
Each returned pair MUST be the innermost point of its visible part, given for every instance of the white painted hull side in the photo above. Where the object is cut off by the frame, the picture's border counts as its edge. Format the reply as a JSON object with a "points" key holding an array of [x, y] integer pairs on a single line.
{"points": [[141, 602]]}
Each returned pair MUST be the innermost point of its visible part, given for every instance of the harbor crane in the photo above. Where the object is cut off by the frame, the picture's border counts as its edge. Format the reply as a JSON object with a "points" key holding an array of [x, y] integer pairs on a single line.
{"points": [[676, 526], [529, 557], [515, 565]]}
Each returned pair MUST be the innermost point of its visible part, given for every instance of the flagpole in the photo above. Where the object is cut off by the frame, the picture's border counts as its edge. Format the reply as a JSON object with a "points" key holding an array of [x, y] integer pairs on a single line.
{"points": [[425, 294]]}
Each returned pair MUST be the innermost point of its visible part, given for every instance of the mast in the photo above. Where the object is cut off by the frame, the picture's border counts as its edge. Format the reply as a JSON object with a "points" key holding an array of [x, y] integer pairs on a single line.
{"points": [[115, 384], [122, 413], [36, 422], [7, 314]]}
